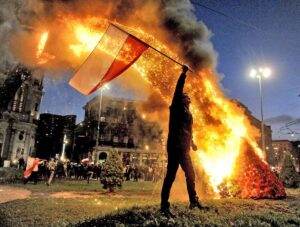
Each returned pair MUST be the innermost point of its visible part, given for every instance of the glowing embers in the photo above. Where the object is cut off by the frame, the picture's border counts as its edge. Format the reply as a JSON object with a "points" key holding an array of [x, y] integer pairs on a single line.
{"points": [[252, 177]]}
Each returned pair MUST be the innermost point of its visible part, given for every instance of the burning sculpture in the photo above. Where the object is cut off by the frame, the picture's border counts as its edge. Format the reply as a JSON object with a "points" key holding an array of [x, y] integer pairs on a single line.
{"points": [[230, 162]]}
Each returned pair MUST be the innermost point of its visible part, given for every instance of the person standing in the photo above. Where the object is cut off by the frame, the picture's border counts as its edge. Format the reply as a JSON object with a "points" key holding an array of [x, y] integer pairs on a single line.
{"points": [[51, 167], [178, 147], [21, 163]]}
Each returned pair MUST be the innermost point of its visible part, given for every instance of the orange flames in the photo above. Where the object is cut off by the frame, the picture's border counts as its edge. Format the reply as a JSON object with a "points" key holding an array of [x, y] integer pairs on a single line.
{"points": [[220, 130], [42, 44], [42, 56], [86, 37]]}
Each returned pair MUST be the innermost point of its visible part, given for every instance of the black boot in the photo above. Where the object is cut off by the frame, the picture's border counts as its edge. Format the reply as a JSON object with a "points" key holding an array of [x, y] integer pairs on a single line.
{"points": [[197, 204], [165, 210]]}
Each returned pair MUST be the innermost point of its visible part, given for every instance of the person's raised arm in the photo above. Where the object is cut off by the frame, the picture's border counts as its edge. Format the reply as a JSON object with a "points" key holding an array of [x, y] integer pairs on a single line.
{"points": [[180, 84]]}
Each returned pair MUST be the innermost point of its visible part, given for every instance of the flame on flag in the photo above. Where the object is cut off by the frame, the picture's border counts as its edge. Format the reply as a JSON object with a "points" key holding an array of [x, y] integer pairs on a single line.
{"points": [[115, 52]]}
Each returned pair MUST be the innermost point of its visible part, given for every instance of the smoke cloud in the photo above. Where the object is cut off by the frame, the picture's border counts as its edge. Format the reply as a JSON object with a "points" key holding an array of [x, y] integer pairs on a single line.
{"points": [[179, 19], [170, 21], [8, 25], [175, 19]]}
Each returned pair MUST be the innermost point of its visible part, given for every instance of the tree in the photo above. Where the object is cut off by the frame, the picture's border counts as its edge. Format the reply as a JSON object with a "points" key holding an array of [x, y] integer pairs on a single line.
{"points": [[288, 174], [112, 172]]}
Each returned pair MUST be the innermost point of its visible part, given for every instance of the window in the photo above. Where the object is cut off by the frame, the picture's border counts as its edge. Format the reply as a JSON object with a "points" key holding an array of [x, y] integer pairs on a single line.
{"points": [[21, 135], [115, 139]]}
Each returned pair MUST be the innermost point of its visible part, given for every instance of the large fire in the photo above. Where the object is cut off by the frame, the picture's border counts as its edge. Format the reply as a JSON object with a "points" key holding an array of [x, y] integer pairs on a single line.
{"points": [[221, 130]]}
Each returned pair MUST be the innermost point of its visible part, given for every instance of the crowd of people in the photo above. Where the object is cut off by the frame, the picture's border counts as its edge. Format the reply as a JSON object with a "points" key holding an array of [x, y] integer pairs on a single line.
{"points": [[46, 170]]}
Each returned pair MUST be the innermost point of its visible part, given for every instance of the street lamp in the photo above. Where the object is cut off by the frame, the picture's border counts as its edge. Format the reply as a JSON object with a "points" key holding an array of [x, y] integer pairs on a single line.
{"points": [[259, 74], [63, 153], [106, 87], [298, 156]]}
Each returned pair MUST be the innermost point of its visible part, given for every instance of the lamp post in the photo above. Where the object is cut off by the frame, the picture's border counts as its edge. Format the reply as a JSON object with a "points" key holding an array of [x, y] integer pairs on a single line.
{"points": [[63, 153], [259, 74], [298, 157], [99, 117]]}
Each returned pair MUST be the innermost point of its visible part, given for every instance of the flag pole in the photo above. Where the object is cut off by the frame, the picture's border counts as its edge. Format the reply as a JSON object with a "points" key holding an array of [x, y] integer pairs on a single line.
{"points": [[153, 48]]}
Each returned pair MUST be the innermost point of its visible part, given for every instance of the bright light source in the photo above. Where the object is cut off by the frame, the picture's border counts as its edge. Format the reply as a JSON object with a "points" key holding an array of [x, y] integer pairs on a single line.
{"points": [[144, 116], [267, 72], [106, 87], [146, 147], [262, 72], [253, 73]]}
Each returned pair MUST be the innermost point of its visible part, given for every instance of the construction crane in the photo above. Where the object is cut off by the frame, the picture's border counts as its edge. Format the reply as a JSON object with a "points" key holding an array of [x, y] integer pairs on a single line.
{"points": [[11, 85]]}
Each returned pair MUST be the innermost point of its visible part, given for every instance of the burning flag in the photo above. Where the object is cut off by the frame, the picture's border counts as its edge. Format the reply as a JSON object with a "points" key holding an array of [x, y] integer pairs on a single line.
{"points": [[115, 52]]}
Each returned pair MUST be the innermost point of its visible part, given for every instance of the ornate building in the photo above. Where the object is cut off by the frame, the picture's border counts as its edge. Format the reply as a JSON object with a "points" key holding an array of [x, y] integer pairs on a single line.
{"points": [[115, 122], [20, 95]]}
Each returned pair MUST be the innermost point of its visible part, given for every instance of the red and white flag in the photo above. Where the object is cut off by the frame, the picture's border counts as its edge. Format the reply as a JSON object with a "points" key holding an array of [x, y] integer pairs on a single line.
{"points": [[115, 52], [32, 164]]}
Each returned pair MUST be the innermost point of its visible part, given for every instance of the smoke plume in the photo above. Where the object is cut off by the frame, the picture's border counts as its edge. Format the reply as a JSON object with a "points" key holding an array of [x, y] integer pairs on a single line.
{"points": [[173, 18], [8, 25]]}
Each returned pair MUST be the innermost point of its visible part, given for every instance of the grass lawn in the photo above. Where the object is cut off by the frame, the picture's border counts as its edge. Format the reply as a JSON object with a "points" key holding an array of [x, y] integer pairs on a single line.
{"points": [[93, 186], [137, 204]]}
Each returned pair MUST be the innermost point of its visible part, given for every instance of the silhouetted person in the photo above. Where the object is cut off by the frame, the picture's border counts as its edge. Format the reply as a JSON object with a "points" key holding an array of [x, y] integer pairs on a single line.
{"points": [[21, 163], [178, 146]]}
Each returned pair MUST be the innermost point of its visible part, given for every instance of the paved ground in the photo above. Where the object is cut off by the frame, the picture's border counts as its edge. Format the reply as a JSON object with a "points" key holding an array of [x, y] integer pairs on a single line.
{"points": [[8, 193]]}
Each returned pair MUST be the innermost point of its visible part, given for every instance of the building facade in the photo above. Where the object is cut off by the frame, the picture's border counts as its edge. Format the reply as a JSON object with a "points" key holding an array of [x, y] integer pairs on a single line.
{"points": [[286, 147], [270, 157], [55, 136], [115, 122], [21, 95]]}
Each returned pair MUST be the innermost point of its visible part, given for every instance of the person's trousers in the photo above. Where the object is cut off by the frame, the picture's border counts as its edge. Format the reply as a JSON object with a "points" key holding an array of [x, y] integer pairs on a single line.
{"points": [[174, 160], [52, 173], [33, 176]]}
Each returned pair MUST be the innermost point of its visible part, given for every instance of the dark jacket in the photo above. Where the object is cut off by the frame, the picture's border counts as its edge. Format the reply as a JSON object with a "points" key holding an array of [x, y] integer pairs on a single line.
{"points": [[181, 121]]}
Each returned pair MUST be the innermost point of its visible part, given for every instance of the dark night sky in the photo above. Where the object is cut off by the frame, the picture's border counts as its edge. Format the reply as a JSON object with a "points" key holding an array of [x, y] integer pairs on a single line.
{"points": [[252, 34]]}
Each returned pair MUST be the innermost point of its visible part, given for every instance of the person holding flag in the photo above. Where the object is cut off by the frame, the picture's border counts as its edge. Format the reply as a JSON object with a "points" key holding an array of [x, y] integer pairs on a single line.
{"points": [[178, 147], [115, 52], [32, 168]]}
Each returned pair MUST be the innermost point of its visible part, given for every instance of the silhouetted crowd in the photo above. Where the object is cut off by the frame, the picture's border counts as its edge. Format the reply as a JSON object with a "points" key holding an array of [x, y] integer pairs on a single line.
{"points": [[58, 169]]}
